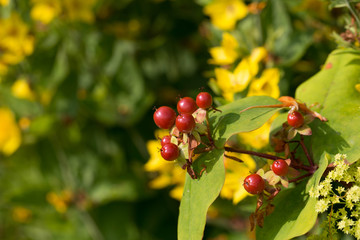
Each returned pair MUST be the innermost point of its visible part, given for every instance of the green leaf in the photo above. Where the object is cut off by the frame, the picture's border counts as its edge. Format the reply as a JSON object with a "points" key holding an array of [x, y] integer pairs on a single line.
{"points": [[294, 213], [229, 121], [284, 41], [333, 91], [199, 194], [341, 3]]}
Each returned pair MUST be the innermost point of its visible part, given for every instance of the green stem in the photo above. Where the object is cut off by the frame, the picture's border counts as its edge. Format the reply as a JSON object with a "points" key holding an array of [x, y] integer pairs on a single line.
{"points": [[353, 12]]}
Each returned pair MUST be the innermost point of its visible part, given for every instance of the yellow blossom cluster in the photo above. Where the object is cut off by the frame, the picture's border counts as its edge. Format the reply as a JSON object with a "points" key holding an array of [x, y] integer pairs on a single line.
{"points": [[10, 135], [60, 201], [245, 73], [346, 214], [4, 2], [46, 11], [16, 42], [21, 89], [225, 13], [167, 173], [21, 214]]}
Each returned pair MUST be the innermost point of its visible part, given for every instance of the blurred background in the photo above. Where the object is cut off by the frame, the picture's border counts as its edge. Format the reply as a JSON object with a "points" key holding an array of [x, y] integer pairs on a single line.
{"points": [[79, 82]]}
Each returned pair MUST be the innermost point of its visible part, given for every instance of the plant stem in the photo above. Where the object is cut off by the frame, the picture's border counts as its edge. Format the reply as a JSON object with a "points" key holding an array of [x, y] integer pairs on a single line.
{"points": [[306, 151], [262, 155], [233, 158], [353, 11], [303, 167], [211, 140], [301, 177]]}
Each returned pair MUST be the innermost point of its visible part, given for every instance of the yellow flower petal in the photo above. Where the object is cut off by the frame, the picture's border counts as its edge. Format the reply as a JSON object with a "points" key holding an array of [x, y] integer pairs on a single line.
{"points": [[267, 84], [21, 89], [357, 87], [4, 2], [226, 53], [10, 135], [177, 192], [258, 54], [45, 11], [225, 13], [21, 214]]}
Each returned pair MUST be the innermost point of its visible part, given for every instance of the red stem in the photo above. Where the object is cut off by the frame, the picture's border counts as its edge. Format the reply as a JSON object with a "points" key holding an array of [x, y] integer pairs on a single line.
{"points": [[262, 155], [306, 151], [301, 177]]}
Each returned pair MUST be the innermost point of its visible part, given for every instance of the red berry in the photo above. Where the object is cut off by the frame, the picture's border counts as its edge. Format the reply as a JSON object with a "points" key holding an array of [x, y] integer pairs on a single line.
{"points": [[186, 105], [295, 119], [280, 167], [164, 117], [170, 152], [204, 100], [185, 123], [165, 140], [254, 184]]}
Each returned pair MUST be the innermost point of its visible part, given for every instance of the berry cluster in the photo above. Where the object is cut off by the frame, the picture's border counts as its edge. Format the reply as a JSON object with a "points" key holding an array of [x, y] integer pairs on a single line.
{"points": [[186, 128], [255, 184]]}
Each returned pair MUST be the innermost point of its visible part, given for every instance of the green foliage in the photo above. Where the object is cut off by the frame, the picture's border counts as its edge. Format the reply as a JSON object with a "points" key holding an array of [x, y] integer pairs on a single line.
{"points": [[294, 213], [333, 92]]}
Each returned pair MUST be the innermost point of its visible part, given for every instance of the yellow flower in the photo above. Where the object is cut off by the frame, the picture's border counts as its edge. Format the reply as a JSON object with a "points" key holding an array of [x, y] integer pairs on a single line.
{"points": [[234, 177], [225, 13], [24, 123], [357, 87], [226, 53], [21, 89], [15, 41], [231, 83], [21, 214], [168, 173], [10, 135], [60, 201], [79, 10], [4, 2], [258, 138], [45, 10], [267, 84]]}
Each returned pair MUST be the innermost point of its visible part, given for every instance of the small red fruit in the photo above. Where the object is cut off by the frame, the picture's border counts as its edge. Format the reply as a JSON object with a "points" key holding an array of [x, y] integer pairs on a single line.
{"points": [[164, 117], [165, 140], [204, 100], [170, 152], [254, 184], [280, 167], [185, 123], [295, 119], [186, 105]]}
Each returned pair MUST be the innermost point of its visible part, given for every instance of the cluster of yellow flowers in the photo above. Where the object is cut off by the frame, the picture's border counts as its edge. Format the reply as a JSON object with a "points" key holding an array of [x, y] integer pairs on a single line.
{"points": [[346, 197], [45, 11], [167, 173], [21, 214], [16, 42], [60, 201]]}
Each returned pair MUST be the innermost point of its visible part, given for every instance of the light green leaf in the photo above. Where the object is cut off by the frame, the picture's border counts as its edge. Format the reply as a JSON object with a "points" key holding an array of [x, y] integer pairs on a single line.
{"points": [[294, 213], [333, 91], [229, 121], [199, 194]]}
